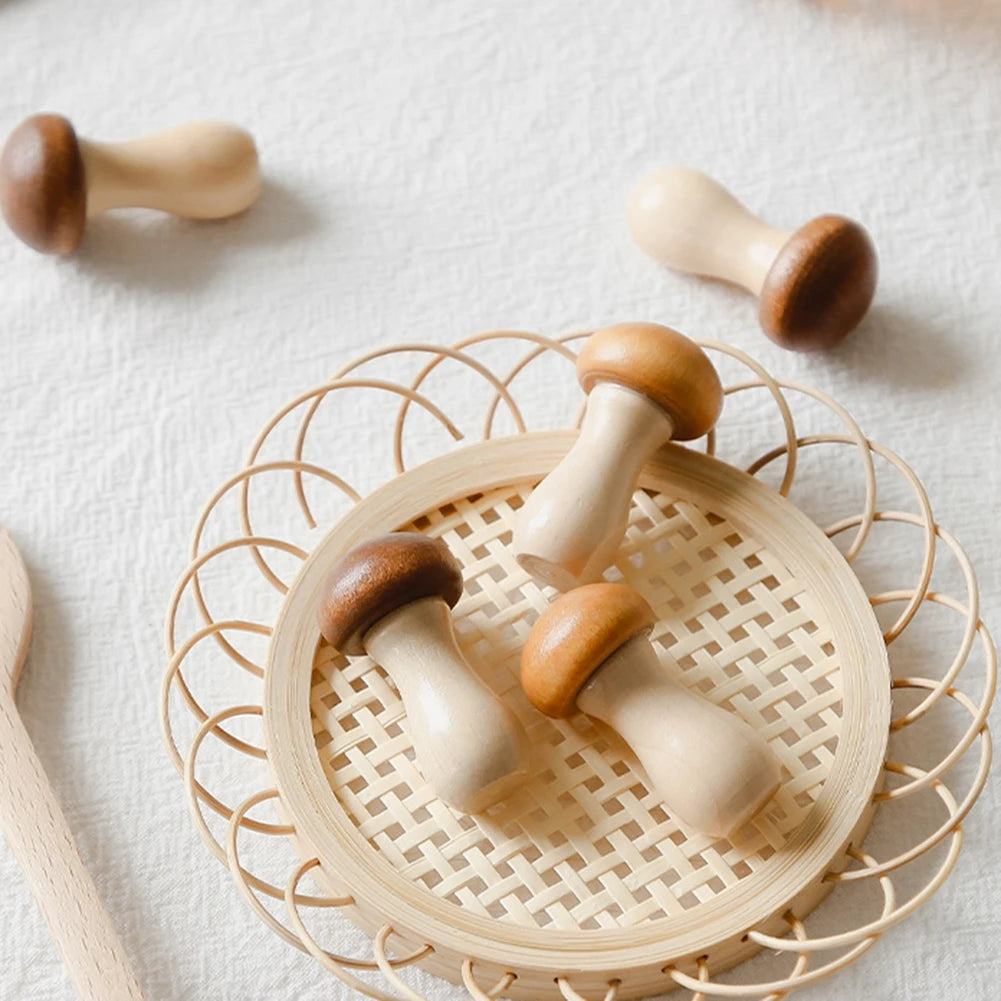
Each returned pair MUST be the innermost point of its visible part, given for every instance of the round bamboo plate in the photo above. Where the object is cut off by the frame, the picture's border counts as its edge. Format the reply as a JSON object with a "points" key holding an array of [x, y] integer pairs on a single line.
{"points": [[580, 885]]}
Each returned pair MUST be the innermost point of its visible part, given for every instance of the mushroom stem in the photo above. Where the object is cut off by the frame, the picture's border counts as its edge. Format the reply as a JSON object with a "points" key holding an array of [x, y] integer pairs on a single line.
{"points": [[469, 745], [201, 170], [712, 769], [572, 524], [687, 221]]}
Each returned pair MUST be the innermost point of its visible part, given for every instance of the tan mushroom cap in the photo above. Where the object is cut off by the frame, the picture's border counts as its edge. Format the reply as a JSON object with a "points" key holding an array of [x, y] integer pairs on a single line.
{"points": [[660, 363], [43, 191], [379, 576], [820, 285], [574, 637]]}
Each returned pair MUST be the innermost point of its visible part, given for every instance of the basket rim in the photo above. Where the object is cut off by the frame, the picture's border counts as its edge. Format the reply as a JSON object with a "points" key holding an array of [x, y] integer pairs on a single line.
{"points": [[299, 776]]}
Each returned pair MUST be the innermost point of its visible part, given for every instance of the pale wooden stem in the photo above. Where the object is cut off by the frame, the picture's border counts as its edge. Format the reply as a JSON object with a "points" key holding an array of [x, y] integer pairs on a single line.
{"points": [[469, 745], [689, 222], [712, 770], [40, 839], [570, 528], [202, 170]]}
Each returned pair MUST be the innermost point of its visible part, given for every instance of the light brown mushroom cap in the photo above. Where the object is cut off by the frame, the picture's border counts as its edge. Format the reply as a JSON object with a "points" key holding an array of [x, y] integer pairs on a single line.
{"points": [[574, 637], [43, 193], [379, 576], [660, 363], [820, 285]]}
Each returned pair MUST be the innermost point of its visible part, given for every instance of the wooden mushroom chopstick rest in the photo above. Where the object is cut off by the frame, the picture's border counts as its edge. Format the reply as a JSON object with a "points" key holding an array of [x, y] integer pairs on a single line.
{"points": [[646, 385], [589, 652], [391, 597], [52, 181], [814, 284]]}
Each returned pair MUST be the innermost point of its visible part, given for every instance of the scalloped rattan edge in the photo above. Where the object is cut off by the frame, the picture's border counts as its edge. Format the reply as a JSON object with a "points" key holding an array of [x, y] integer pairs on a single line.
{"points": [[797, 942]]}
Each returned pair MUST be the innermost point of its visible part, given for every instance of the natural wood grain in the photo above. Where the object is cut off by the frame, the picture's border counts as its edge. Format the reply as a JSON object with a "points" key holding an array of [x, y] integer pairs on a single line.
{"points": [[35, 827], [199, 170], [391, 597], [815, 284], [573, 637], [710, 769], [589, 652], [378, 577], [470, 747], [15, 614], [669, 368], [570, 527], [42, 190], [820, 285], [646, 384], [52, 182]]}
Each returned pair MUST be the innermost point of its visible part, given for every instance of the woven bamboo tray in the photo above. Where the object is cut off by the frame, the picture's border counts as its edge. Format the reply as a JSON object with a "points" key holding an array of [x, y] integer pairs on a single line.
{"points": [[580, 885]]}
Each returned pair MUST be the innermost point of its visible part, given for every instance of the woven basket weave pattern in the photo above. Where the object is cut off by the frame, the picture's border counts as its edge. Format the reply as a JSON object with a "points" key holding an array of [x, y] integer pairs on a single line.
{"points": [[740, 626], [743, 631]]}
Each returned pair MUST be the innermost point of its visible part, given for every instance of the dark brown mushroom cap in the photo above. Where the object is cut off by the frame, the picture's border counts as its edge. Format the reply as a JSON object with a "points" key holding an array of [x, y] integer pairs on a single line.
{"points": [[574, 637], [820, 284], [379, 576], [660, 363], [43, 193]]}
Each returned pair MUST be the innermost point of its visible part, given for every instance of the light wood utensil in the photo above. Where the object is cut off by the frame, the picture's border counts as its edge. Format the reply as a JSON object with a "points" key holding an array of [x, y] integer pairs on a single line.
{"points": [[35, 827]]}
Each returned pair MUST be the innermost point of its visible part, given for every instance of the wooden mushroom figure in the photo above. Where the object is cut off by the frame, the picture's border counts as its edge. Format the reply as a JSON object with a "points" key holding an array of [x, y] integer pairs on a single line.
{"points": [[814, 284], [52, 181], [391, 597], [589, 651], [646, 385]]}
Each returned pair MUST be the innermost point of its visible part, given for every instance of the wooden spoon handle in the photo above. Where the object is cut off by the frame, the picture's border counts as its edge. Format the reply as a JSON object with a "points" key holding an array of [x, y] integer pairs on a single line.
{"points": [[40, 838]]}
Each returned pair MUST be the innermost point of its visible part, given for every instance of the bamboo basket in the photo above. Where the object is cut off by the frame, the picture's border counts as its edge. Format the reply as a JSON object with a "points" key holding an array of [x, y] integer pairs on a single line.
{"points": [[581, 885]]}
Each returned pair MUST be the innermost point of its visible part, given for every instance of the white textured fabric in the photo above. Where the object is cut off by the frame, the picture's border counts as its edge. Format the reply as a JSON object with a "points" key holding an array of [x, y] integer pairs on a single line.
{"points": [[435, 169]]}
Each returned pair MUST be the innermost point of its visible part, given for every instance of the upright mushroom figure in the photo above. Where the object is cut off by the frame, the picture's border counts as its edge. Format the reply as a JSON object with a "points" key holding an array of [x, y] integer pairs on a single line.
{"points": [[814, 284], [589, 651], [646, 384], [52, 181], [391, 597]]}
